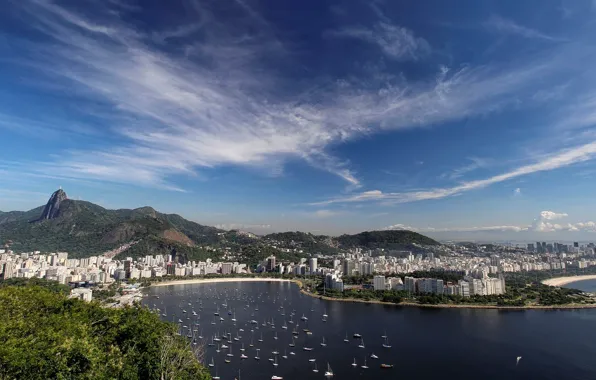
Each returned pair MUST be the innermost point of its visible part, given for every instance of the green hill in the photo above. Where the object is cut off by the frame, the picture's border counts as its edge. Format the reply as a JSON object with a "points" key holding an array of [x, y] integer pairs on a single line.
{"points": [[84, 229], [392, 239], [45, 335]]}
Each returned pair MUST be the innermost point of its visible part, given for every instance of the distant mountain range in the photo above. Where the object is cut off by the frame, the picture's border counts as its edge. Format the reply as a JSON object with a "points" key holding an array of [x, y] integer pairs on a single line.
{"points": [[84, 229]]}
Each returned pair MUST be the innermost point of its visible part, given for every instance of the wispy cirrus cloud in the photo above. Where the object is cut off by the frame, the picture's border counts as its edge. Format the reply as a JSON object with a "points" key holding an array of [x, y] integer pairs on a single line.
{"points": [[476, 163], [395, 41], [502, 25], [554, 161], [215, 104]]}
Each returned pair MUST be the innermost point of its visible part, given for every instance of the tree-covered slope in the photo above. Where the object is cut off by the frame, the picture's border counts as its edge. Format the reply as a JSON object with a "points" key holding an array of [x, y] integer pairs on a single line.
{"points": [[393, 239], [84, 229], [45, 335]]}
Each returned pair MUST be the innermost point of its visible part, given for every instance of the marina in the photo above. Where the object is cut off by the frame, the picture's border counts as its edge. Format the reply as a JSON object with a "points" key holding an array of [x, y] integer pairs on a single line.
{"points": [[397, 339]]}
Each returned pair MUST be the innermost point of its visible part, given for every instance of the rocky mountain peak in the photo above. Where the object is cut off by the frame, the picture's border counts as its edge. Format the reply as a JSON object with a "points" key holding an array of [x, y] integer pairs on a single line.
{"points": [[52, 208]]}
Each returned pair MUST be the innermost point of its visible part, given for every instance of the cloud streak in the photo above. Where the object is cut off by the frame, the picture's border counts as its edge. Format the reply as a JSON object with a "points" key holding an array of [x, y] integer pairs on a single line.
{"points": [[214, 103], [558, 160], [396, 42], [506, 26]]}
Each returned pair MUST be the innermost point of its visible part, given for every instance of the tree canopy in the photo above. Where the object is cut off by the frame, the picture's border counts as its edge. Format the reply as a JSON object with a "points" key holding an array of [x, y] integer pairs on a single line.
{"points": [[46, 335]]}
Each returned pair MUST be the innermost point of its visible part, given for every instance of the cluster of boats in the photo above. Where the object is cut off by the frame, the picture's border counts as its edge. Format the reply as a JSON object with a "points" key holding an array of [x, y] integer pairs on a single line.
{"points": [[227, 341]]}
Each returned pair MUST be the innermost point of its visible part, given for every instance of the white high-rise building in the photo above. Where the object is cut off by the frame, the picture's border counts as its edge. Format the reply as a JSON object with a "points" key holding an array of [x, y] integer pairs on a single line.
{"points": [[379, 283], [313, 265]]}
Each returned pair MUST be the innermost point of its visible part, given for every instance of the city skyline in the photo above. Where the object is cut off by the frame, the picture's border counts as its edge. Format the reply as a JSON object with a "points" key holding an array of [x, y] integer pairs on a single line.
{"points": [[467, 123]]}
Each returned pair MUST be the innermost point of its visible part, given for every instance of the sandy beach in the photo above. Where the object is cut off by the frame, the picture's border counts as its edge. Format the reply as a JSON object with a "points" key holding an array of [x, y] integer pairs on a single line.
{"points": [[560, 281], [214, 280]]}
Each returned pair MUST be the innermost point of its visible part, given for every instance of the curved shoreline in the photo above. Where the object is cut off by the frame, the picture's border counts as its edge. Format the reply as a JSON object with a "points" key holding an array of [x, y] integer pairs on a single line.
{"points": [[404, 304], [455, 306], [560, 281], [216, 280]]}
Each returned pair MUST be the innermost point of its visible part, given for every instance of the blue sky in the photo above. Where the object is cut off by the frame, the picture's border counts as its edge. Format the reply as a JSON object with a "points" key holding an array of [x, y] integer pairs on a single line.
{"points": [[472, 121]]}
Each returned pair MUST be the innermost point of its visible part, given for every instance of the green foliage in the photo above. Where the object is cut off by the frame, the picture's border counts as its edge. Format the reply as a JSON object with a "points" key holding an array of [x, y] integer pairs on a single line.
{"points": [[154, 245], [52, 286], [255, 253], [392, 239], [45, 335], [84, 229], [308, 242]]}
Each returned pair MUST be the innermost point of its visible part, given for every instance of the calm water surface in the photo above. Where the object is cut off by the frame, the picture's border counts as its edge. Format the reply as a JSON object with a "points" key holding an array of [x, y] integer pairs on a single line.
{"points": [[426, 343], [586, 285]]}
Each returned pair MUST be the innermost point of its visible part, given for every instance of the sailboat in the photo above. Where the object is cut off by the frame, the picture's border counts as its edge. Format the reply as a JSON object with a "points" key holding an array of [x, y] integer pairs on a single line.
{"points": [[386, 344], [323, 344], [212, 364], [346, 338], [216, 377], [234, 319], [165, 314], [315, 370], [260, 340], [257, 357], [364, 366], [373, 356], [325, 315], [285, 356], [218, 350], [230, 353], [275, 362], [329, 372], [242, 356], [303, 317], [275, 337], [354, 364], [242, 349], [251, 342], [384, 336], [276, 377], [292, 344], [211, 344], [285, 326], [361, 345]]}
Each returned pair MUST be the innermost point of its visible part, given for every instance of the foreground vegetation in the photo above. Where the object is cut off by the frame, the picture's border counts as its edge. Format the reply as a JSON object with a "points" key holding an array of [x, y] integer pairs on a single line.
{"points": [[46, 335]]}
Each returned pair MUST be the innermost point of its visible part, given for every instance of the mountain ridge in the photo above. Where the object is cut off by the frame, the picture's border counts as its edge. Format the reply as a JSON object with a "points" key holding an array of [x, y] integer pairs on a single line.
{"points": [[84, 229]]}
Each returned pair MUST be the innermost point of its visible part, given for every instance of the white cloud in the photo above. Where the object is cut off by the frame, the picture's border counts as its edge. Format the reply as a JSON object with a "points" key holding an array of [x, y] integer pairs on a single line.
{"points": [[400, 227], [395, 41], [476, 163], [551, 215], [541, 224], [213, 105], [555, 161], [502, 25]]}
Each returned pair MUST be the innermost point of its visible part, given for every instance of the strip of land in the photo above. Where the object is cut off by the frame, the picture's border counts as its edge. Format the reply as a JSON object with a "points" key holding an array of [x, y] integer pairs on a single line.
{"points": [[454, 306], [560, 281], [216, 280]]}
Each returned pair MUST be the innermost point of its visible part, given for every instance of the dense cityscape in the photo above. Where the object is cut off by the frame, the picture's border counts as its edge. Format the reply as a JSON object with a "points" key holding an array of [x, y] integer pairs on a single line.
{"points": [[482, 270]]}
